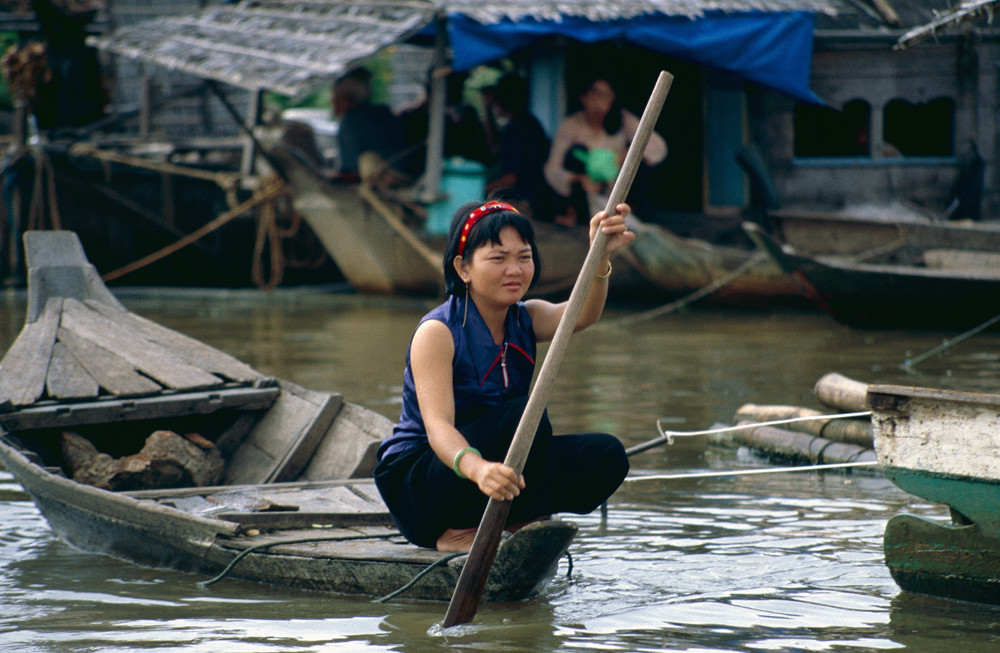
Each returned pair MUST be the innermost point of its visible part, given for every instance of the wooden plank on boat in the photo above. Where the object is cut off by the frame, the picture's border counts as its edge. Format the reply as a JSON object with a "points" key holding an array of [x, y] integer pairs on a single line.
{"points": [[348, 449], [111, 371], [274, 491], [282, 442], [67, 378], [962, 260], [23, 368], [279, 519], [150, 358], [192, 351], [58, 415]]}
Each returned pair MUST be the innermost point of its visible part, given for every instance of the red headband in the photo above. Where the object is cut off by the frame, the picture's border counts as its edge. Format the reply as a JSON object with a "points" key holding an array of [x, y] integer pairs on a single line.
{"points": [[474, 217]]}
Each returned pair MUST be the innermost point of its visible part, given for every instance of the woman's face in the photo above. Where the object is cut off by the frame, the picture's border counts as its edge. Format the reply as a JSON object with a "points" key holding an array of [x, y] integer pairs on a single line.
{"points": [[498, 274], [598, 98]]}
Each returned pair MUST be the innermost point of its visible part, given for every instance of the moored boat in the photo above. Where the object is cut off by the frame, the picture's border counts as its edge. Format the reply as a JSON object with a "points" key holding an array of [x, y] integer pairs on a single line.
{"points": [[952, 289], [379, 250], [136, 441], [892, 233], [942, 445]]}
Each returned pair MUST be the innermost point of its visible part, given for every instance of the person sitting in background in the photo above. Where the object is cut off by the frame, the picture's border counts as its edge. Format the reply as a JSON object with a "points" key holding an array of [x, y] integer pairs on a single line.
{"points": [[589, 148], [364, 127], [522, 147], [464, 134]]}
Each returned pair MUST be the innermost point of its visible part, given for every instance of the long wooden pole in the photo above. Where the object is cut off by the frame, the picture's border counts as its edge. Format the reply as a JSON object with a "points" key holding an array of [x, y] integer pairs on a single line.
{"points": [[469, 590]]}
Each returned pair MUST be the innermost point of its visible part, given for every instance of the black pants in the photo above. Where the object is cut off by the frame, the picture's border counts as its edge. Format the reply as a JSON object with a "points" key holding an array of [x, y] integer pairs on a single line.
{"points": [[564, 473]]}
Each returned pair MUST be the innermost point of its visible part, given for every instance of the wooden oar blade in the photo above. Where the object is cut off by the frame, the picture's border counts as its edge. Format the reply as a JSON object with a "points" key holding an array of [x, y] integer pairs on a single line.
{"points": [[472, 580]]}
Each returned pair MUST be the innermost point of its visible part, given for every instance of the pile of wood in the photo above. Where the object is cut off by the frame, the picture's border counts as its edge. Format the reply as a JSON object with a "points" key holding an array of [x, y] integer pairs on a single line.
{"points": [[825, 440], [168, 460]]}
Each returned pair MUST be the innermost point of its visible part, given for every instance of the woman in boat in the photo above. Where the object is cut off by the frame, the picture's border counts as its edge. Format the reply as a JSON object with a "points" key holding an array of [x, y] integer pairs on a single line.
{"points": [[466, 383]]}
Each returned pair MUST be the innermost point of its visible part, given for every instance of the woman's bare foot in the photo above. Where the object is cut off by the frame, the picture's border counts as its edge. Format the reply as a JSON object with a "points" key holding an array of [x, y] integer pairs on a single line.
{"points": [[513, 528], [457, 540]]}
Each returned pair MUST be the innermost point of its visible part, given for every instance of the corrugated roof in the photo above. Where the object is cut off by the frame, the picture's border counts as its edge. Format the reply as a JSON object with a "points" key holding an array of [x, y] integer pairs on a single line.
{"points": [[961, 14], [492, 12], [288, 46]]}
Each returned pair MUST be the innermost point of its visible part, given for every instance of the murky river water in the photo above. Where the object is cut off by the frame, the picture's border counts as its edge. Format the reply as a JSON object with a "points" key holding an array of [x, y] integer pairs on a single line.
{"points": [[781, 562]]}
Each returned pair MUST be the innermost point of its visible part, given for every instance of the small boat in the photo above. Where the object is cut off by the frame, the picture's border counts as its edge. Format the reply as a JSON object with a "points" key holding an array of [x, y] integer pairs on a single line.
{"points": [[139, 442], [951, 289], [891, 233], [736, 276], [148, 204], [379, 251], [942, 445]]}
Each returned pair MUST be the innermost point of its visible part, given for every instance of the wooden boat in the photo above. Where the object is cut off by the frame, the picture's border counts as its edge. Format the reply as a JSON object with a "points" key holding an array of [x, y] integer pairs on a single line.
{"points": [[379, 250], [942, 445], [678, 266], [953, 289], [269, 477], [147, 203], [891, 233]]}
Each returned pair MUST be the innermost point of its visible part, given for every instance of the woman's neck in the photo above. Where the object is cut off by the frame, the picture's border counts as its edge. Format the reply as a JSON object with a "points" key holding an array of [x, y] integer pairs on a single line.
{"points": [[495, 319]]}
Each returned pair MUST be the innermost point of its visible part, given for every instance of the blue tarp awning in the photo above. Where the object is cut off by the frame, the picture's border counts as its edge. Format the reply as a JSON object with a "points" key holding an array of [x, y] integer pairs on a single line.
{"points": [[773, 49]]}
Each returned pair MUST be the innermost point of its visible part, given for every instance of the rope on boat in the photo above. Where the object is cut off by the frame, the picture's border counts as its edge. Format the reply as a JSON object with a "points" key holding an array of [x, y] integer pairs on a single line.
{"points": [[756, 259], [741, 472], [266, 545], [668, 436], [910, 362], [268, 193], [424, 572]]}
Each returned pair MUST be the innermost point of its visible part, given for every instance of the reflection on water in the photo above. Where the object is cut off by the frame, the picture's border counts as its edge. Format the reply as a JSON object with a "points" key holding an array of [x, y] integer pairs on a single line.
{"points": [[771, 563]]}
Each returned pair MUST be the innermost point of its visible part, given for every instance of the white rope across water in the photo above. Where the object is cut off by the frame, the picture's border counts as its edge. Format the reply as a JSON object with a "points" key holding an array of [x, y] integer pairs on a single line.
{"points": [[742, 472], [669, 435]]}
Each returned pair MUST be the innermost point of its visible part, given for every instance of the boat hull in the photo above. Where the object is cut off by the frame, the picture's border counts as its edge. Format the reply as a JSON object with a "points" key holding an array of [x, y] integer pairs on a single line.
{"points": [[955, 562], [941, 445], [889, 296], [361, 554]]}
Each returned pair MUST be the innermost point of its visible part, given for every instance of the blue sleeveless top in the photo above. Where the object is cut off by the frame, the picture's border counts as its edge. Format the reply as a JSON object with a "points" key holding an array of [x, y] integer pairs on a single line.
{"points": [[484, 374]]}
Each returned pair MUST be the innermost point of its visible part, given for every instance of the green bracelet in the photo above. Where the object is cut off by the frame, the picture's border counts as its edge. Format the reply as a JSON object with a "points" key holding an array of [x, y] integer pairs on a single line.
{"points": [[458, 456]]}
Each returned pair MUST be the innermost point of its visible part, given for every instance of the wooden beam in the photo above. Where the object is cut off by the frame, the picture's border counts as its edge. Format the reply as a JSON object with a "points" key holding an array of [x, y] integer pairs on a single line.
{"points": [[61, 415]]}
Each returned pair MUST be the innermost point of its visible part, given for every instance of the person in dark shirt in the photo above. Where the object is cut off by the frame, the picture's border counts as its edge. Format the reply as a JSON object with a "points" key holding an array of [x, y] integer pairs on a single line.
{"points": [[522, 148], [364, 127], [464, 134]]}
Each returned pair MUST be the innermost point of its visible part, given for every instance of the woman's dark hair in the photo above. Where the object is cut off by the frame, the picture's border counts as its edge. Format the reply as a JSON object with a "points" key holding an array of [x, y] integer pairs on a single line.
{"points": [[613, 119], [487, 229]]}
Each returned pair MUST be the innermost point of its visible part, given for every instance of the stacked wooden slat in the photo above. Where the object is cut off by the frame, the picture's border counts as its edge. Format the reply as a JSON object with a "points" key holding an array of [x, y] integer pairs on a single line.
{"points": [[86, 349]]}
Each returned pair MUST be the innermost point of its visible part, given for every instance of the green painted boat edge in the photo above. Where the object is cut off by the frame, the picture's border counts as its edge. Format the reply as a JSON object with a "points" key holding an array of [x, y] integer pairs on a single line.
{"points": [[977, 499], [956, 562]]}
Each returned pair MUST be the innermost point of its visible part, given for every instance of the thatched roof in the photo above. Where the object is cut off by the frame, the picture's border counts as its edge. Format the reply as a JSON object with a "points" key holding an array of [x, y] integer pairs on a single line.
{"points": [[289, 46], [968, 11], [276, 45]]}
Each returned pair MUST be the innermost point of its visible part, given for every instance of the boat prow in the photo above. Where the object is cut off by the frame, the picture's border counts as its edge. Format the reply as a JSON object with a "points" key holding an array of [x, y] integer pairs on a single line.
{"points": [[942, 445]]}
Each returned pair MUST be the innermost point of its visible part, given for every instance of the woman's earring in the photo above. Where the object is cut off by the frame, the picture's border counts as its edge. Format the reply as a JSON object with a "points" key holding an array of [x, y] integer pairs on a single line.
{"points": [[466, 315]]}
